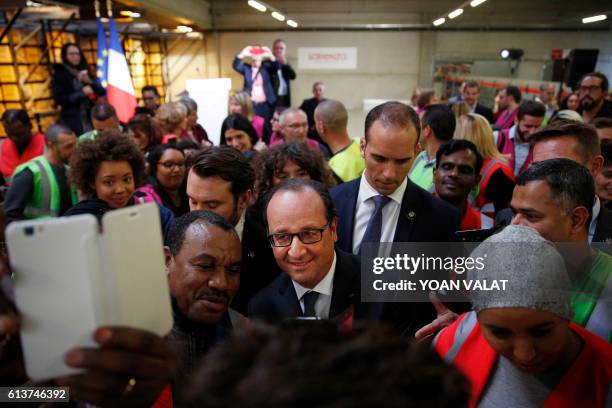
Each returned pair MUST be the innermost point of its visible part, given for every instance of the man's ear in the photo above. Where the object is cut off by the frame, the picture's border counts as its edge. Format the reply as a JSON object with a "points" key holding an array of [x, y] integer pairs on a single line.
{"points": [[333, 226], [596, 165], [169, 260], [362, 146], [580, 218], [245, 200]]}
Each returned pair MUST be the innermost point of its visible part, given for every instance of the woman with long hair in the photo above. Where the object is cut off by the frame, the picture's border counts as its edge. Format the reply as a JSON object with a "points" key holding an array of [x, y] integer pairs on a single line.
{"points": [[75, 89], [167, 178], [238, 132], [494, 190], [240, 102], [144, 132]]}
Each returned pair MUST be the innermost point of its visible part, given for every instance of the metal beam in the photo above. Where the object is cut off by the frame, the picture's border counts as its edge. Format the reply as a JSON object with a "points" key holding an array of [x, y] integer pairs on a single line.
{"points": [[10, 24]]}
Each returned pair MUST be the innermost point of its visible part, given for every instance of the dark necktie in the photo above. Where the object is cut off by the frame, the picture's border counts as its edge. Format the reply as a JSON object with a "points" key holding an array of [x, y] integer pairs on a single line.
{"points": [[374, 229], [310, 298]]}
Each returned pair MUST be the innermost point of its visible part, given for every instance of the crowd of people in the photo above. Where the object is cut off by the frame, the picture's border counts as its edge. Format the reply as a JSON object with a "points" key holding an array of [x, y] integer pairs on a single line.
{"points": [[264, 233]]}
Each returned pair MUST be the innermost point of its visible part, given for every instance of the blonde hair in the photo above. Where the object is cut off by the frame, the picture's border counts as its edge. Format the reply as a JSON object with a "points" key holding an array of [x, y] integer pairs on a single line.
{"points": [[244, 100], [460, 109], [476, 129], [170, 115]]}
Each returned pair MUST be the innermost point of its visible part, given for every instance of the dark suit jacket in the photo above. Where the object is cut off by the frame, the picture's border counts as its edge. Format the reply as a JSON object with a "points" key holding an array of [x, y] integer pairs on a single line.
{"points": [[264, 71], [484, 111], [432, 220], [603, 229], [258, 267], [278, 301], [287, 72]]}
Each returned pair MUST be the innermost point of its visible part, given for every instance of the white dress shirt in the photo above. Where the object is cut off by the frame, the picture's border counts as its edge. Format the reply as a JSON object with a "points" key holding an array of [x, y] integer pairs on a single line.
{"points": [[594, 217], [240, 226], [324, 288], [365, 208]]}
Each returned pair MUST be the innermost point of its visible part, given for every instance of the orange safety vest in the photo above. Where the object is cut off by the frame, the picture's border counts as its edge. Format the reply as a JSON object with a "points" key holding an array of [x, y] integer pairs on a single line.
{"points": [[585, 384], [489, 167], [9, 156], [474, 219]]}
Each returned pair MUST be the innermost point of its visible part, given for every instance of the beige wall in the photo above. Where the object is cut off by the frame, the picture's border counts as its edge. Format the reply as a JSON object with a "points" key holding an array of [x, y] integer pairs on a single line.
{"points": [[390, 64]]}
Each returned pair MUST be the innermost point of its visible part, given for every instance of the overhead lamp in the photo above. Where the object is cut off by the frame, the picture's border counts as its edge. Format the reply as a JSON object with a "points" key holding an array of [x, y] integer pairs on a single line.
{"points": [[278, 16], [128, 13], [475, 3], [257, 5], [292, 23], [439, 21], [184, 29], [511, 53], [593, 19], [455, 13]]}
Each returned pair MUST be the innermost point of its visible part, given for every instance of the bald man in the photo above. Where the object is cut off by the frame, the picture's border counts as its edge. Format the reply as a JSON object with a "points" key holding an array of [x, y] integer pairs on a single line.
{"points": [[331, 119]]}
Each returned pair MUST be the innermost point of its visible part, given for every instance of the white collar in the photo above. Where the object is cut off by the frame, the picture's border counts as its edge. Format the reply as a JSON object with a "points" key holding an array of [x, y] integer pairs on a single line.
{"points": [[366, 191], [325, 285], [240, 226]]}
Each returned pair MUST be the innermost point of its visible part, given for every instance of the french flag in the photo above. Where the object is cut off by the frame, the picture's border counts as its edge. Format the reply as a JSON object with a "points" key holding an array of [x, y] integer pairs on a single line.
{"points": [[119, 89]]}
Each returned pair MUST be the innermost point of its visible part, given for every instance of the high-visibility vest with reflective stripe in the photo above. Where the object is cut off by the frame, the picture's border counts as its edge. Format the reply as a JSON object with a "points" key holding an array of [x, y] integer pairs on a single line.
{"points": [[585, 384], [478, 198], [46, 198]]}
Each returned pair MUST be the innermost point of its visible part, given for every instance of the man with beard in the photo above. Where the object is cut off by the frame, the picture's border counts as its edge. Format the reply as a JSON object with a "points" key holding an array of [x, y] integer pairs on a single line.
{"points": [[221, 180], [457, 172], [509, 99], [203, 266], [40, 187], [515, 140], [592, 92]]}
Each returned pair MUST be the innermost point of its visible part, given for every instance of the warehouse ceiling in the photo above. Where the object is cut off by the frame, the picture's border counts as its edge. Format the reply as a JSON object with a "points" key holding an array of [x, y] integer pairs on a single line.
{"points": [[237, 15]]}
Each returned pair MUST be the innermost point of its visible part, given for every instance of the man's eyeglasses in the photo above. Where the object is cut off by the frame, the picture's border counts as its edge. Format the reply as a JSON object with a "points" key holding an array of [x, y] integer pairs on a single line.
{"points": [[298, 125], [170, 165], [309, 236], [589, 89]]}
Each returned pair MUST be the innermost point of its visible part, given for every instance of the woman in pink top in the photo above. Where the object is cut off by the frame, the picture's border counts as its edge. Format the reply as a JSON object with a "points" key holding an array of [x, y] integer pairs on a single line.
{"points": [[240, 102]]}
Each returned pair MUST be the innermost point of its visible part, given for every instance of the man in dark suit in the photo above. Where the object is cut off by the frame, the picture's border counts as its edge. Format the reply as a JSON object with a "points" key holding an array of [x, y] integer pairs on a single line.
{"points": [[383, 205], [282, 74], [470, 94], [318, 280], [309, 106]]}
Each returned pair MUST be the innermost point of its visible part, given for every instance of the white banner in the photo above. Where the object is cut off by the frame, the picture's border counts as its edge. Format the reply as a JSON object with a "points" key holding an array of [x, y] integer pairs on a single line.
{"points": [[327, 58]]}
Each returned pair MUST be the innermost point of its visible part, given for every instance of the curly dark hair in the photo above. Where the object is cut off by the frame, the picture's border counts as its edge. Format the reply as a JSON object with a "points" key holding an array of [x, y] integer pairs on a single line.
{"points": [[314, 363], [110, 145], [273, 160]]}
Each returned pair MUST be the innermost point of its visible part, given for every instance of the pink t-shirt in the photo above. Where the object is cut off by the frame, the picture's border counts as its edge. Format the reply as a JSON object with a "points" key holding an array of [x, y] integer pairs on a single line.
{"points": [[257, 92]]}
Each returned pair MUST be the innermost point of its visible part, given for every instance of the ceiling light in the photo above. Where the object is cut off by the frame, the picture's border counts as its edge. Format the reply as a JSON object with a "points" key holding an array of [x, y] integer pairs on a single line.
{"points": [[455, 13], [257, 5], [439, 21], [511, 53], [475, 3], [278, 16], [292, 23], [128, 13], [593, 19], [184, 29]]}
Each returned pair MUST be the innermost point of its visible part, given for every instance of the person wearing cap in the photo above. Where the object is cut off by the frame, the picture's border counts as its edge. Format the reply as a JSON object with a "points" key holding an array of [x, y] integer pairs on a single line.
{"points": [[518, 346]]}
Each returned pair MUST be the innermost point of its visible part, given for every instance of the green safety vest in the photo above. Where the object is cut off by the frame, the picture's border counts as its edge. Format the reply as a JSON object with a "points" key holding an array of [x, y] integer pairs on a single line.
{"points": [[46, 200]]}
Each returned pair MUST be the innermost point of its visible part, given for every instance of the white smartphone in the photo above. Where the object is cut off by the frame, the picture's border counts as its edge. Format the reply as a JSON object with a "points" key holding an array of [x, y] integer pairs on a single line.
{"points": [[53, 262], [71, 279]]}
